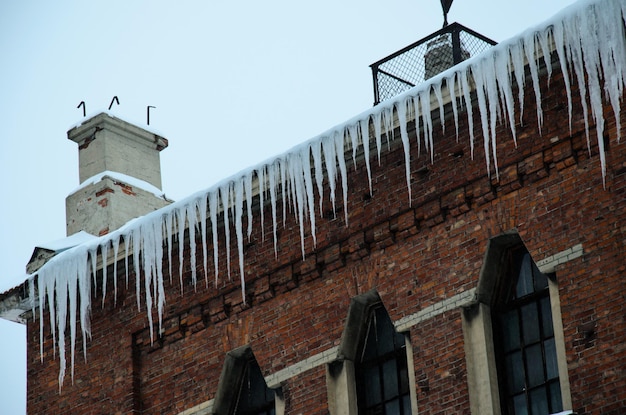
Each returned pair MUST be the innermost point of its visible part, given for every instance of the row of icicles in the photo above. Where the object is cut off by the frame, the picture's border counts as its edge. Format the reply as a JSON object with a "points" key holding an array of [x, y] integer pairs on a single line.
{"points": [[588, 39]]}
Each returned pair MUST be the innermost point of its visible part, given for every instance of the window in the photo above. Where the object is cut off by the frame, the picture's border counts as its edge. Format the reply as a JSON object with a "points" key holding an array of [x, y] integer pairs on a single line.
{"points": [[382, 378], [515, 348], [255, 398], [524, 340], [242, 389], [374, 370]]}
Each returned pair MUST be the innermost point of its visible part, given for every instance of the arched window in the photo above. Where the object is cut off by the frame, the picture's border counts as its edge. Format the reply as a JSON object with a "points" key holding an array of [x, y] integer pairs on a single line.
{"points": [[255, 398], [516, 361], [382, 380], [242, 389], [374, 371], [524, 340]]}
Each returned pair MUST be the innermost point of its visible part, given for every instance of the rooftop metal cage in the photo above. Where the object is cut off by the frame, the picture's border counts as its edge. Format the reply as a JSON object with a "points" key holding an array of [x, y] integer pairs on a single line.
{"points": [[424, 59]]}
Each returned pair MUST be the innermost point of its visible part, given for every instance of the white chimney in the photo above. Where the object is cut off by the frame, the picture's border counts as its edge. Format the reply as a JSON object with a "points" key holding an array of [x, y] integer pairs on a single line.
{"points": [[119, 172]]}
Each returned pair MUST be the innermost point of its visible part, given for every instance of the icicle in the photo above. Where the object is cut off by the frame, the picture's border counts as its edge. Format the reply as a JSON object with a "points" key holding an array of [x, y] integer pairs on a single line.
{"points": [[93, 260], [169, 231], [116, 248], [365, 139], [503, 79], [31, 297], [428, 122], [387, 114], [61, 307], [283, 187], [377, 121], [544, 42], [402, 120], [202, 205], [468, 107], [192, 219], [146, 238], [574, 51], [482, 108], [294, 162], [50, 288], [309, 192], [136, 236], [41, 288], [592, 66], [517, 61], [225, 196], [451, 83], [104, 248], [261, 179], [127, 243], [613, 62], [339, 149], [291, 193], [181, 221], [530, 48], [330, 156], [84, 290], [72, 287], [354, 140], [316, 153], [158, 263], [489, 83], [213, 207], [418, 115], [560, 49], [440, 103], [248, 185], [272, 183], [239, 233]]}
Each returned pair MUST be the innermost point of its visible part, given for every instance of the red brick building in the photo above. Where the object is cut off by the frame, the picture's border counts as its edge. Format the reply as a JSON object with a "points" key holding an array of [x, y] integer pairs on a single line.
{"points": [[478, 288]]}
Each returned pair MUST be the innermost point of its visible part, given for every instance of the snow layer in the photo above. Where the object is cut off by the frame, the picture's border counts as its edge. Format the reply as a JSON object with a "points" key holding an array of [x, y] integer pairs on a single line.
{"points": [[124, 178], [588, 39], [68, 242]]}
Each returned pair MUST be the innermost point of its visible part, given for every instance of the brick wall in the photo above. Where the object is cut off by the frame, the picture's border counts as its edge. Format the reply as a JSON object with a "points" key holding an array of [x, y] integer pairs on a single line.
{"points": [[415, 255]]}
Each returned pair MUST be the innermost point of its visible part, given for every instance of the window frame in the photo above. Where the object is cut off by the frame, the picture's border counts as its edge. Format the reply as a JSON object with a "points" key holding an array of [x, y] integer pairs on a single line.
{"points": [[478, 331], [509, 301], [378, 361], [236, 366], [340, 374]]}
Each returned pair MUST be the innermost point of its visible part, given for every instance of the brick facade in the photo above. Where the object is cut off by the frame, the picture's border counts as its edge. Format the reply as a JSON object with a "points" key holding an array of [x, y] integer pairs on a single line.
{"points": [[423, 258]]}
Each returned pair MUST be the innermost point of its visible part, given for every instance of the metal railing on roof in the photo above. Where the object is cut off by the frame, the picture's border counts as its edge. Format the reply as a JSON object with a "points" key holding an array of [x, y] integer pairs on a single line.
{"points": [[424, 59]]}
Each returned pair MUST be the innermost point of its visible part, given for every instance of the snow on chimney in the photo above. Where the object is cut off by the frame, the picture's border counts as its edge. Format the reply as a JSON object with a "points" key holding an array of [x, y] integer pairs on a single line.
{"points": [[119, 172]]}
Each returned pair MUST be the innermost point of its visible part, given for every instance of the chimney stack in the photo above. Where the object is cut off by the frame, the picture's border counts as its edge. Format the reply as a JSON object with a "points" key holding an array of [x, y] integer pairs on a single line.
{"points": [[443, 53], [119, 172]]}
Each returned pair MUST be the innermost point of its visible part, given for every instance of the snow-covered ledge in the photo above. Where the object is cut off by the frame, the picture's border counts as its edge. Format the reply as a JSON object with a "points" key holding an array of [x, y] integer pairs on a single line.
{"points": [[588, 38]]}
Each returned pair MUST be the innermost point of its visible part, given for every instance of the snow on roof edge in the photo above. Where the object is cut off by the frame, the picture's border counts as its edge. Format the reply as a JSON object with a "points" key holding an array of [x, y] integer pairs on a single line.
{"points": [[68, 242], [578, 38]]}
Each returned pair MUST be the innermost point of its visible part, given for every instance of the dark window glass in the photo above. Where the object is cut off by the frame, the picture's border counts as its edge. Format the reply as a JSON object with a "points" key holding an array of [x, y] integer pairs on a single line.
{"points": [[382, 375], [524, 337], [255, 398], [530, 323], [510, 336], [520, 405]]}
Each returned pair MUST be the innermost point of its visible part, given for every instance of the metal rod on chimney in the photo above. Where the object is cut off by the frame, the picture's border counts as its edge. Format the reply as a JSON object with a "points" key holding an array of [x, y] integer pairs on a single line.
{"points": [[148, 114], [115, 99], [82, 104]]}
